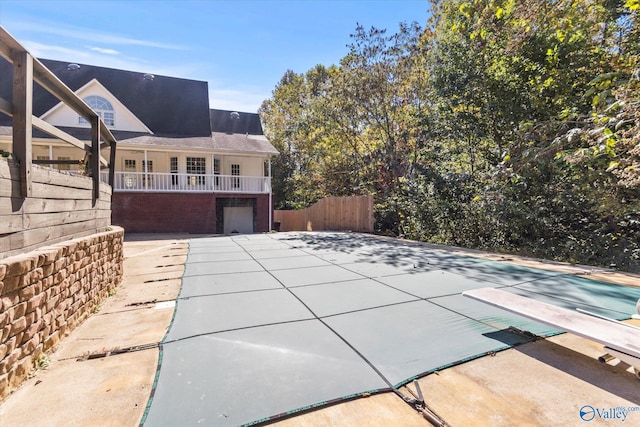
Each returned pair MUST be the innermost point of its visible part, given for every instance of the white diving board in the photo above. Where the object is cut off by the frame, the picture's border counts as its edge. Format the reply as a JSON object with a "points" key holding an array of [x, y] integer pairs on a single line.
{"points": [[619, 340]]}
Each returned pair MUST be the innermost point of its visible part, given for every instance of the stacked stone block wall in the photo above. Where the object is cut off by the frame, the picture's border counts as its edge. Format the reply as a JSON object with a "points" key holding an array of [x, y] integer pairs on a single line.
{"points": [[46, 293]]}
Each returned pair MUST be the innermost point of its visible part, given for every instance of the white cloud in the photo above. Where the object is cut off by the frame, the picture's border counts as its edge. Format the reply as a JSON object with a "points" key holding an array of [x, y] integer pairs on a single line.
{"points": [[97, 57], [104, 50], [41, 50], [90, 34]]}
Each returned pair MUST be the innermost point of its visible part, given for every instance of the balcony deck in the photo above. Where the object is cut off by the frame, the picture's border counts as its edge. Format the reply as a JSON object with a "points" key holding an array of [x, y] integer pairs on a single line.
{"points": [[191, 183]]}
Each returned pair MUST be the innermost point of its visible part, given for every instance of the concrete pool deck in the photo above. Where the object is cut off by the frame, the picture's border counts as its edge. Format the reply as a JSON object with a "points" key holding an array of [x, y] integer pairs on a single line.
{"points": [[557, 376]]}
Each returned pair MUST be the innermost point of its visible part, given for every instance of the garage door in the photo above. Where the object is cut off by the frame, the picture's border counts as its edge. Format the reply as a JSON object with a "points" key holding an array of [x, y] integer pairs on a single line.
{"points": [[238, 219]]}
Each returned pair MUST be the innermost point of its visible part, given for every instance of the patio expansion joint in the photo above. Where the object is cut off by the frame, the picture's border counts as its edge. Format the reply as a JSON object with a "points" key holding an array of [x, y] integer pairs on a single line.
{"points": [[112, 352]]}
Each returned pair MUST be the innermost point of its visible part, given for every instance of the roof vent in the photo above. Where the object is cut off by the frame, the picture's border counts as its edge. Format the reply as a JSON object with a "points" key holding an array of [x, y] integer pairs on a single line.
{"points": [[148, 76], [73, 67], [235, 118]]}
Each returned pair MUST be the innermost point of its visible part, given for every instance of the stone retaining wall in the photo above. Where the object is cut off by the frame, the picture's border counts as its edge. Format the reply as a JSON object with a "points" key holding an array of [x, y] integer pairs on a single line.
{"points": [[46, 293]]}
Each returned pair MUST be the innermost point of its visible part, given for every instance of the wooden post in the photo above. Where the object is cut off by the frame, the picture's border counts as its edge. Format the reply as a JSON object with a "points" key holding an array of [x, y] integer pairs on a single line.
{"points": [[145, 168], [94, 159], [112, 164], [22, 114]]}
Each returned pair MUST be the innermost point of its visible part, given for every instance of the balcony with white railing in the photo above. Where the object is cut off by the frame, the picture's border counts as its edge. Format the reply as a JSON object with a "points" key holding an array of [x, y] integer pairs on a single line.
{"points": [[182, 182]]}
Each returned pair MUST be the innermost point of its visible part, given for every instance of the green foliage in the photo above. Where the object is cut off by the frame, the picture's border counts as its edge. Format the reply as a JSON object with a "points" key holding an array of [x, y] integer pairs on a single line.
{"points": [[504, 125]]}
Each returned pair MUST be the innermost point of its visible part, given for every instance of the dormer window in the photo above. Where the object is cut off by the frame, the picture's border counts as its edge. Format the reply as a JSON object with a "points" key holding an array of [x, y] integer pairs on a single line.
{"points": [[102, 107]]}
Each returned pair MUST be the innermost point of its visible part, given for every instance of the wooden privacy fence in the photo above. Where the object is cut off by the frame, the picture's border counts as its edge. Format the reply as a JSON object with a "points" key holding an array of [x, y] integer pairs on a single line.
{"points": [[354, 213], [60, 206]]}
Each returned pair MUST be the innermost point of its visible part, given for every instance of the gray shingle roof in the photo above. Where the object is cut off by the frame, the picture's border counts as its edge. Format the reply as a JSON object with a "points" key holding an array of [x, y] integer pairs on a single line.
{"points": [[174, 142], [218, 141], [243, 143], [246, 123], [166, 105]]}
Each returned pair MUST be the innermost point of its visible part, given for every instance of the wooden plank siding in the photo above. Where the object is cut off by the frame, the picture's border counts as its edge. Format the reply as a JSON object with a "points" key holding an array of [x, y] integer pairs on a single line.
{"points": [[61, 207], [354, 213]]}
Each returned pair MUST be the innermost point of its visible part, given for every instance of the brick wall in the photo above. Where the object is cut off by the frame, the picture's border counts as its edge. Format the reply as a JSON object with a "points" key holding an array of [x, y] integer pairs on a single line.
{"points": [[195, 213], [46, 293], [262, 221]]}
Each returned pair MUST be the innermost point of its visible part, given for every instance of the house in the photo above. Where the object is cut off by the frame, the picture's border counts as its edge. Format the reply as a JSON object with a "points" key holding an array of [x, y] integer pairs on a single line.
{"points": [[180, 166]]}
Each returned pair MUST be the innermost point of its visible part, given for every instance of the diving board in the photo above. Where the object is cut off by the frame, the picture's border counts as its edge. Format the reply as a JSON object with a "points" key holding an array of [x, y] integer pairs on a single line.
{"points": [[619, 340]]}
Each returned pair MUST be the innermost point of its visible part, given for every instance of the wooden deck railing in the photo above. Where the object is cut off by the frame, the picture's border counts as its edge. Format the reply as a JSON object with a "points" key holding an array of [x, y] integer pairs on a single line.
{"points": [[26, 71]]}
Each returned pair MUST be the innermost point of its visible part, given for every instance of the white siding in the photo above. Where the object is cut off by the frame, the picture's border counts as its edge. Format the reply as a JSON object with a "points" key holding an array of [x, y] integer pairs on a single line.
{"points": [[61, 115]]}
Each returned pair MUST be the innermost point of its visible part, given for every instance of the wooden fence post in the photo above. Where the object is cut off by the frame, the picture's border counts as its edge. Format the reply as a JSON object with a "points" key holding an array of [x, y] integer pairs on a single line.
{"points": [[22, 114], [94, 159], [112, 163]]}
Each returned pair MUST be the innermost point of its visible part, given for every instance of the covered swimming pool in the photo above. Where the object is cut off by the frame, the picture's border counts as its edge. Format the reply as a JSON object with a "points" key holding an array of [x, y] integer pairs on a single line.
{"points": [[270, 325]]}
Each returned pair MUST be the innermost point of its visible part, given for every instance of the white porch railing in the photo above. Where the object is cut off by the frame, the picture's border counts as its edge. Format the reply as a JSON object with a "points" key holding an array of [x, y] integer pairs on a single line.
{"points": [[182, 182]]}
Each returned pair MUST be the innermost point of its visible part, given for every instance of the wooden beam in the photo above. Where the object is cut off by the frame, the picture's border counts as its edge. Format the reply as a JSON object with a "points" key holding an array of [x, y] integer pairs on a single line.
{"points": [[6, 107], [53, 177], [111, 142], [56, 162], [8, 45], [54, 85], [112, 164], [54, 131], [22, 116], [621, 337], [106, 134], [94, 159]]}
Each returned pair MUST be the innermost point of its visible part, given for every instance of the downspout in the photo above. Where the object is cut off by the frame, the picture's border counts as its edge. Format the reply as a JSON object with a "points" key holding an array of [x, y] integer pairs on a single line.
{"points": [[50, 156]]}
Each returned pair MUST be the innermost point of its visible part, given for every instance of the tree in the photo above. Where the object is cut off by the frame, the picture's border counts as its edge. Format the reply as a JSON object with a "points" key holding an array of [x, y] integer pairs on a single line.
{"points": [[504, 125], [288, 125]]}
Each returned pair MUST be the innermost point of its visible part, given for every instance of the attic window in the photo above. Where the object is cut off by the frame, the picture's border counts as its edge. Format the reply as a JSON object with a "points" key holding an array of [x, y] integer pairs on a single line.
{"points": [[102, 107]]}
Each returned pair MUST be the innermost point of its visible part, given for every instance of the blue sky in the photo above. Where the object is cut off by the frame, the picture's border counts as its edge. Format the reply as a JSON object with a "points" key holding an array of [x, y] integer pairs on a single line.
{"points": [[241, 48]]}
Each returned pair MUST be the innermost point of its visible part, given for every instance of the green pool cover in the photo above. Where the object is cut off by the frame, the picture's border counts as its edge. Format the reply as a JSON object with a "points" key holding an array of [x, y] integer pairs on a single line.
{"points": [[271, 325]]}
